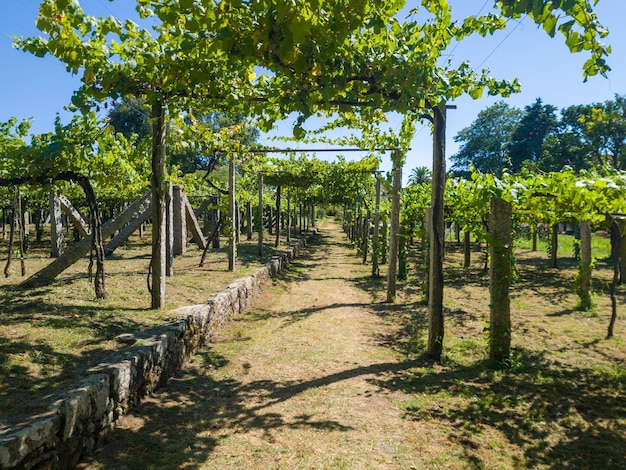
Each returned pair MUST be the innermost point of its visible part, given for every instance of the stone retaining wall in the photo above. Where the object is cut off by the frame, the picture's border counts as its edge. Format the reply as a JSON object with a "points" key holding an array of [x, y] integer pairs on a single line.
{"points": [[80, 417]]}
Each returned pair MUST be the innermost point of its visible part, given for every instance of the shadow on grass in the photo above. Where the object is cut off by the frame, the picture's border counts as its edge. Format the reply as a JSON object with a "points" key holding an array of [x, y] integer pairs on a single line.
{"points": [[183, 424], [23, 394], [560, 418]]}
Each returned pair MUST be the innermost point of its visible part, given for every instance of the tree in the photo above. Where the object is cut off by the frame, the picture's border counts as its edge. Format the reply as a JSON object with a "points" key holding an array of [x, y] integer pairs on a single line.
{"points": [[528, 137], [606, 127], [419, 175], [485, 142], [567, 145], [130, 115]]}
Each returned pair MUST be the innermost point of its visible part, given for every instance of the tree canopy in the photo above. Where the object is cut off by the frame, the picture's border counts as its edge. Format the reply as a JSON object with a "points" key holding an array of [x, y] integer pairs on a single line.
{"points": [[485, 142], [503, 137]]}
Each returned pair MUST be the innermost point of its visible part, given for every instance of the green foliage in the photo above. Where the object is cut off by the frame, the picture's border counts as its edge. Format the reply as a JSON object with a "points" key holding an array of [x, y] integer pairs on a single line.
{"points": [[203, 141], [527, 140], [584, 136], [131, 116], [485, 142], [604, 126], [201, 58]]}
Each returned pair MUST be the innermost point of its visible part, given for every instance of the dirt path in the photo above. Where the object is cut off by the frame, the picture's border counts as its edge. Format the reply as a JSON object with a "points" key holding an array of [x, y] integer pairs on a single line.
{"points": [[305, 380]]}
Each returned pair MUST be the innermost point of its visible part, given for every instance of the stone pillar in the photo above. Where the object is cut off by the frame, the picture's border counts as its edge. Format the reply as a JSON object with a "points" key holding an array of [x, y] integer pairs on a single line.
{"points": [[584, 274], [179, 220], [232, 209], [249, 228], [56, 227], [375, 235], [215, 216], [260, 227], [392, 266], [500, 228], [169, 232]]}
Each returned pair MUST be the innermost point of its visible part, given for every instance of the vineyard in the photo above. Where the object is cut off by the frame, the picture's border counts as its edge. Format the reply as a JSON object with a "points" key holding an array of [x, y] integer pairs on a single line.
{"points": [[109, 222]]}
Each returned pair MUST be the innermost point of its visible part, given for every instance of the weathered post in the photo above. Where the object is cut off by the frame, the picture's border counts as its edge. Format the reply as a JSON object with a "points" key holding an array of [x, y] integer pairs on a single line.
{"points": [[500, 248], [278, 218], [617, 238], [584, 274], [288, 217], [467, 248], [159, 189], [392, 266], [56, 226], [169, 231], [249, 229], [554, 245], [428, 233], [179, 219], [260, 214], [216, 215], [232, 242], [622, 257], [375, 235], [366, 235], [435, 283]]}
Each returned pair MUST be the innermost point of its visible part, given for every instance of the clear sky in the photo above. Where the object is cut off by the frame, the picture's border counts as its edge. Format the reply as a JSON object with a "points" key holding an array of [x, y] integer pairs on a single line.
{"points": [[40, 88]]}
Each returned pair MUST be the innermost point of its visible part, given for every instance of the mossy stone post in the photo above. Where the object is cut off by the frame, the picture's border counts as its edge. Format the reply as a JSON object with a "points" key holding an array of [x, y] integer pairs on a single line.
{"points": [[169, 231], [584, 273], [237, 222], [366, 235], [232, 215], [617, 239], [375, 235], [554, 245], [435, 285], [56, 226], [288, 225], [428, 220], [394, 230], [159, 194], [249, 229], [180, 221], [260, 226], [278, 217], [500, 227], [622, 257], [215, 217], [402, 253]]}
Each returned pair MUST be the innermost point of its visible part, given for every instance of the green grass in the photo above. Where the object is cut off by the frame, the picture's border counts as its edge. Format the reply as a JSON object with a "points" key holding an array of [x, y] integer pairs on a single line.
{"points": [[600, 246], [52, 334]]}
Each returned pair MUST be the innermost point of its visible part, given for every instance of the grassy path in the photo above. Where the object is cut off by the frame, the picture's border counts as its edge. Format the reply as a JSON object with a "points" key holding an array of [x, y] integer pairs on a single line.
{"points": [[293, 384], [317, 376]]}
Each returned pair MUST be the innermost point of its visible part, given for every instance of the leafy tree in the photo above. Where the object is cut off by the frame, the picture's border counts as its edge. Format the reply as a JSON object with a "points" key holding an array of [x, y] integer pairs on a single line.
{"points": [[528, 137], [130, 115], [606, 127], [485, 142], [562, 148]]}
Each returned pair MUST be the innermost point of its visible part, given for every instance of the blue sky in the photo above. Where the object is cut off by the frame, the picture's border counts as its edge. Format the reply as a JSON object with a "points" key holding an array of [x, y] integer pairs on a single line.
{"points": [[40, 88]]}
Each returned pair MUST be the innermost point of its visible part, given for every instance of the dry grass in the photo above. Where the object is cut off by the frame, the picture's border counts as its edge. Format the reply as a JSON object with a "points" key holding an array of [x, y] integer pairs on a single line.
{"points": [[323, 374], [50, 335]]}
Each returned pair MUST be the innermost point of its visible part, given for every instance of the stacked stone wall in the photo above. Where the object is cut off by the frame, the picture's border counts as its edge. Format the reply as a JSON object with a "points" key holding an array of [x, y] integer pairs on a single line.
{"points": [[81, 416]]}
